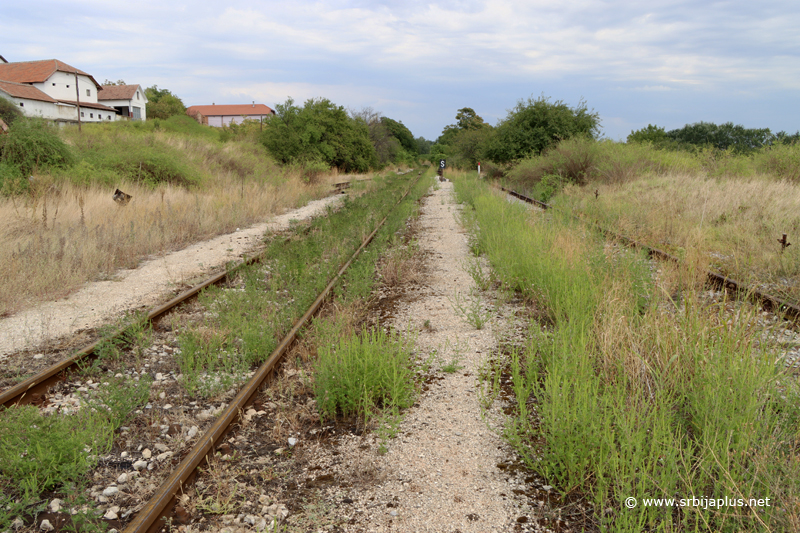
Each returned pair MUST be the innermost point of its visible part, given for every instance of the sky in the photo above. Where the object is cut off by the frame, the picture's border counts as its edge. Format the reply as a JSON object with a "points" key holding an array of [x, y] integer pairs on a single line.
{"points": [[635, 63]]}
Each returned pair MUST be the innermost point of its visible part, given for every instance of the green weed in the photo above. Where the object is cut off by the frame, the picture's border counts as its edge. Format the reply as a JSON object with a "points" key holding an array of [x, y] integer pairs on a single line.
{"points": [[359, 374], [632, 401], [471, 309]]}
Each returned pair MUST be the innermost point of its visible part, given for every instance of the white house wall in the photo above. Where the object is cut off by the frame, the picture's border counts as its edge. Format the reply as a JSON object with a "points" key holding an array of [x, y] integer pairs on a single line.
{"points": [[61, 86], [97, 115], [129, 103], [60, 112], [226, 120], [140, 102], [48, 110]]}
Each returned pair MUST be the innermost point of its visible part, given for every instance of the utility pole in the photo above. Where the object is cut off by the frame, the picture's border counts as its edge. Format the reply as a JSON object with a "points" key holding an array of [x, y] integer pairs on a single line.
{"points": [[78, 96]]}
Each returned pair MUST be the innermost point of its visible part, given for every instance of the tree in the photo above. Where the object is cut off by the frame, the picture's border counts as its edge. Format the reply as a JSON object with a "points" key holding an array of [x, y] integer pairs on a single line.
{"points": [[469, 145], [320, 131], [400, 132], [651, 133], [534, 125], [723, 137], [423, 145], [468, 119], [118, 82], [385, 144], [161, 103], [466, 140]]}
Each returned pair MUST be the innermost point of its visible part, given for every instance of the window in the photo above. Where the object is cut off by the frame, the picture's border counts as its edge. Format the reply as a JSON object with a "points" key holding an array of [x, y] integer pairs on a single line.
{"points": [[67, 86], [82, 113], [91, 115], [54, 84], [22, 104], [88, 92], [109, 117], [137, 95]]}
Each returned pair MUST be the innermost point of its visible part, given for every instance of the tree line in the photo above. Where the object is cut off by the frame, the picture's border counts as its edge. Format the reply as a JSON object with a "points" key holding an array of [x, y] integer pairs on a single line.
{"points": [[727, 136]]}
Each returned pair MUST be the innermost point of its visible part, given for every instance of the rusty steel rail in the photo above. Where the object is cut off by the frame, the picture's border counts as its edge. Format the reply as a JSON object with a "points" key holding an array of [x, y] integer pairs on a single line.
{"points": [[767, 301], [152, 516], [30, 389]]}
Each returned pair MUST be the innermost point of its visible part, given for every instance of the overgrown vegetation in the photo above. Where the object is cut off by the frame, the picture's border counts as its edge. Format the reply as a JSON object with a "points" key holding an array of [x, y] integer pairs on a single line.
{"points": [[250, 322], [62, 228], [9, 111], [319, 132], [54, 452], [726, 136], [359, 374], [620, 395], [32, 144], [729, 208]]}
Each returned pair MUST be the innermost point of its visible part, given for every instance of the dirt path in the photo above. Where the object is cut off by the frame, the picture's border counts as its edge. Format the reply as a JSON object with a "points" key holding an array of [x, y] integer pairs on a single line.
{"points": [[440, 473], [102, 302]]}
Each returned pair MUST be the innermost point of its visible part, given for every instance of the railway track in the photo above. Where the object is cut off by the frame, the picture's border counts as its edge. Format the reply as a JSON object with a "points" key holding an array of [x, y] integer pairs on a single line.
{"points": [[767, 301], [152, 516]]}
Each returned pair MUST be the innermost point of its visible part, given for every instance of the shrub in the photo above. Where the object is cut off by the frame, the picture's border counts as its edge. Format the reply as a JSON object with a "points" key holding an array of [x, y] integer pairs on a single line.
{"points": [[11, 179], [319, 131], [780, 160], [9, 111], [33, 143]]}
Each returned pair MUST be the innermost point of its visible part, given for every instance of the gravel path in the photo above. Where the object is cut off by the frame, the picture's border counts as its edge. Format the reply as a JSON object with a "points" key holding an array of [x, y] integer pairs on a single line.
{"points": [[102, 302], [440, 473]]}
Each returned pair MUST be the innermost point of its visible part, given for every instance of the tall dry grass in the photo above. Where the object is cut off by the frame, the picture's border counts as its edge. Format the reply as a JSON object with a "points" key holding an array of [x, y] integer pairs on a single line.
{"points": [[717, 207], [731, 224], [61, 235]]}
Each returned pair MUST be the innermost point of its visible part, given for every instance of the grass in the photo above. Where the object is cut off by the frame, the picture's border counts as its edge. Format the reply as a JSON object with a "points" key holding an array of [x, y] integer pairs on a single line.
{"points": [[42, 453], [249, 321], [64, 229], [240, 328], [732, 225], [619, 395], [359, 374], [726, 210]]}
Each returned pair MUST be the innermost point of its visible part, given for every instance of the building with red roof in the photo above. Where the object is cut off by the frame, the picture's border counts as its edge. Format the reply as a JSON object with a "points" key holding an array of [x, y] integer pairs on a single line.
{"points": [[54, 90], [225, 115], [129, 100]]}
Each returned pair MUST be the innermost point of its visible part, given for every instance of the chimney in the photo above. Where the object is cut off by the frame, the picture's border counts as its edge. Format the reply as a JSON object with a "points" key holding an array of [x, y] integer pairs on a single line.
{"points": [[254, 103]]}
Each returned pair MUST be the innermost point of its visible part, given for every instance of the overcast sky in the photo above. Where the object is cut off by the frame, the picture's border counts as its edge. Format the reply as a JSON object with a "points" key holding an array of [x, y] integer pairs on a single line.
{"points": [[662, 62]]}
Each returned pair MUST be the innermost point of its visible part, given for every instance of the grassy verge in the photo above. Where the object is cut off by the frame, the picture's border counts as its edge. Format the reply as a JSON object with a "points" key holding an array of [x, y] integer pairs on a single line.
{"points": [[726, 210], [62, 228], [618, 395], [248, 322]]}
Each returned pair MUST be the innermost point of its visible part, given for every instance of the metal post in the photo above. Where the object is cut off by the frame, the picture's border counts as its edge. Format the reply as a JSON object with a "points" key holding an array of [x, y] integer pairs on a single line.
{"points": [[78, 96]]}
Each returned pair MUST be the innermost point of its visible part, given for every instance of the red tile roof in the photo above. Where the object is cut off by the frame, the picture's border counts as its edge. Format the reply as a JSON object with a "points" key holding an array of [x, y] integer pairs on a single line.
{"points": [[90, 104], [37, 71], [21, 90], [118, 92], [236, 110]]}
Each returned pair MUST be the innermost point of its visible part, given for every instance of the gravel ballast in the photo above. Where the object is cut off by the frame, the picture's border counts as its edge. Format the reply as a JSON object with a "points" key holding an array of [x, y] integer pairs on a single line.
{"points": [[440, 473]]}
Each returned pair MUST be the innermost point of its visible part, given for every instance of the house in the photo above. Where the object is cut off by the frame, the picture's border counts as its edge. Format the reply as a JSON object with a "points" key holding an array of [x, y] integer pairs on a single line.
{"points": [[128, 100], [53, 90], [224, 115]]}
